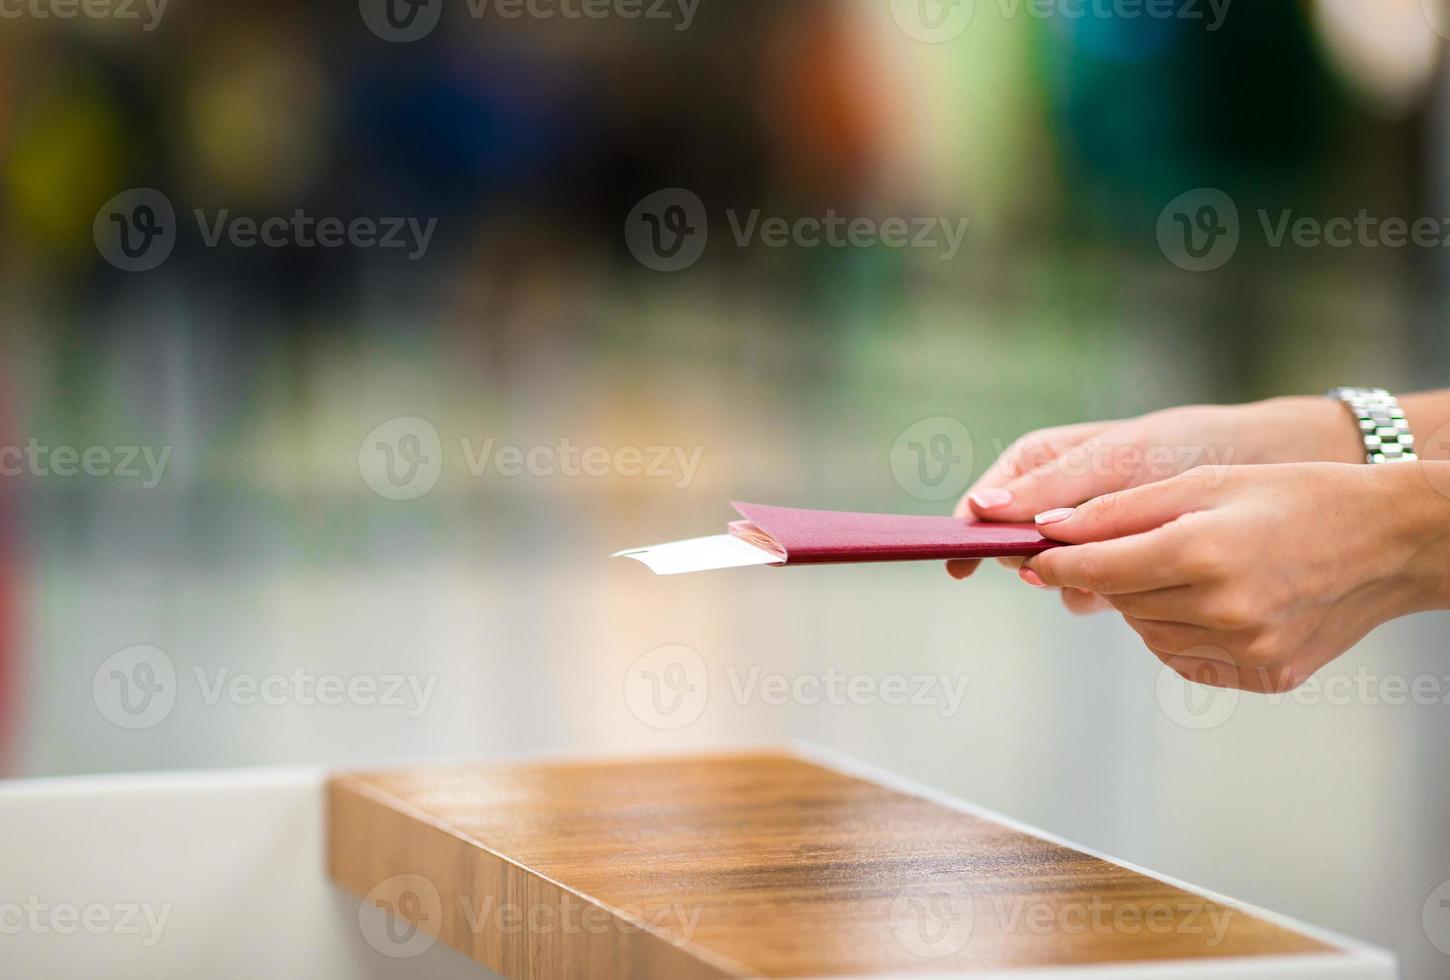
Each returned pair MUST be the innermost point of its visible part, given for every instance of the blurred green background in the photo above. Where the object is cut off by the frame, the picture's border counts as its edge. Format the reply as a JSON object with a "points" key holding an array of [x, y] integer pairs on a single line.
{"points": [[795, 372]]}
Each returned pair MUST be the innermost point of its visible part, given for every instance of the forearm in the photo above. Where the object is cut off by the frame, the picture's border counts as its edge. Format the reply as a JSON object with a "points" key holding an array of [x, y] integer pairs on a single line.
{"points": [[1313, 429]]}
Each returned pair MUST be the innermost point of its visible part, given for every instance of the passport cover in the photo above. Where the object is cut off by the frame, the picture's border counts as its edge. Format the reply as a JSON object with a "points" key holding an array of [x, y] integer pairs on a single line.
{"points": [[812, 537], [791, 536]]}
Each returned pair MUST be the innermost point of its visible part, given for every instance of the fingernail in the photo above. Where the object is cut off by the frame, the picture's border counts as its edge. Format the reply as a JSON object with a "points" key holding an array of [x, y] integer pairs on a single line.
{"points": [[1056, 516], [991, 498], [1031, 578]]}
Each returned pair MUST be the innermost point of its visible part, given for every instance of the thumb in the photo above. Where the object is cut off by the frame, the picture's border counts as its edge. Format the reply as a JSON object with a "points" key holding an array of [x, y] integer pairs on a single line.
{"points": [[1132, 511]]}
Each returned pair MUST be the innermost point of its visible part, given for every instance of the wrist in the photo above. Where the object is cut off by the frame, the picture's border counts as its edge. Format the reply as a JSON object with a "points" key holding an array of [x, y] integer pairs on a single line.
{"points": [[1298, 429], [1415, 496]]}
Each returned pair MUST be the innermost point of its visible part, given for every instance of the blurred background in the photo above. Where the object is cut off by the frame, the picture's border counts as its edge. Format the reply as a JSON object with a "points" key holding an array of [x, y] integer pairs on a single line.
{"points": [[276, 541]]}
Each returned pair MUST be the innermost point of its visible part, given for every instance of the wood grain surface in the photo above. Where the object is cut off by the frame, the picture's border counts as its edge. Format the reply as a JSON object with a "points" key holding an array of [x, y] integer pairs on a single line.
{"points": [[752, 864]]}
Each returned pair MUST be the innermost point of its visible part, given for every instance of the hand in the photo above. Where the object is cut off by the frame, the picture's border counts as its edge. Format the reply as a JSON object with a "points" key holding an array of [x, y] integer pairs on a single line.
{"points": [[1063, 467], [1254, 577]]}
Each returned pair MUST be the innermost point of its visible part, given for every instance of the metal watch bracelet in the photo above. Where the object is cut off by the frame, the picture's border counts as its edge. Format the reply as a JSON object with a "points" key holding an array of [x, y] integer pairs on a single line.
{"points": [[1382, 424]]}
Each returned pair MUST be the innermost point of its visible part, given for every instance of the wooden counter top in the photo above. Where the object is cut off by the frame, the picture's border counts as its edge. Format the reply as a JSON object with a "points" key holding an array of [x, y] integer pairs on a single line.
{"points": [[752, 864]]}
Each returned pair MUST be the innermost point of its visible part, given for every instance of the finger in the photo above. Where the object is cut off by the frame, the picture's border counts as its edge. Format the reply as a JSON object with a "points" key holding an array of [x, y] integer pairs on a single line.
{"points": [[1131, 511], [960, 568], [1216, 673], [1203, 671], [1193, 665], [1176, 604], [1031, 451], [1139, 563], [1083, 603], [1079, 473]]}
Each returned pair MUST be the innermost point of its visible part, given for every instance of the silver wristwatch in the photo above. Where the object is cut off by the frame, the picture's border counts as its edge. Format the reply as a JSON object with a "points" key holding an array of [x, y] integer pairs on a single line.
{"points": [[1387, 436]]}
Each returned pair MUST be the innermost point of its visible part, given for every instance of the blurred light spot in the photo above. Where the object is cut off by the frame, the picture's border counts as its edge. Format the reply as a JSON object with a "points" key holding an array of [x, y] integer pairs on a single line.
{"points": [[61, 164], [256, 117], [1387, 49]]}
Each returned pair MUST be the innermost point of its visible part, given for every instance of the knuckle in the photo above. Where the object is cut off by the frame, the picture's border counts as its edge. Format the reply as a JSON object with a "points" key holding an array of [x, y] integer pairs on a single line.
{"points": [[1204, 560], [1235, 611], [1261, 654], [1206, 476], [1030, 451]]}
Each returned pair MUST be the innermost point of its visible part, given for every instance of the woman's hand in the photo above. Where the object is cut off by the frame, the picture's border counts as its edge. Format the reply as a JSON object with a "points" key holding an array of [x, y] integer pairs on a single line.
{"points": [[1254, 577], [1063, 467]]}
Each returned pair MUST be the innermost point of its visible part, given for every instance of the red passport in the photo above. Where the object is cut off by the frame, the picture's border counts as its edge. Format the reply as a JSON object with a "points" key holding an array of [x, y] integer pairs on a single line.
{"points": [[790, 536]]}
